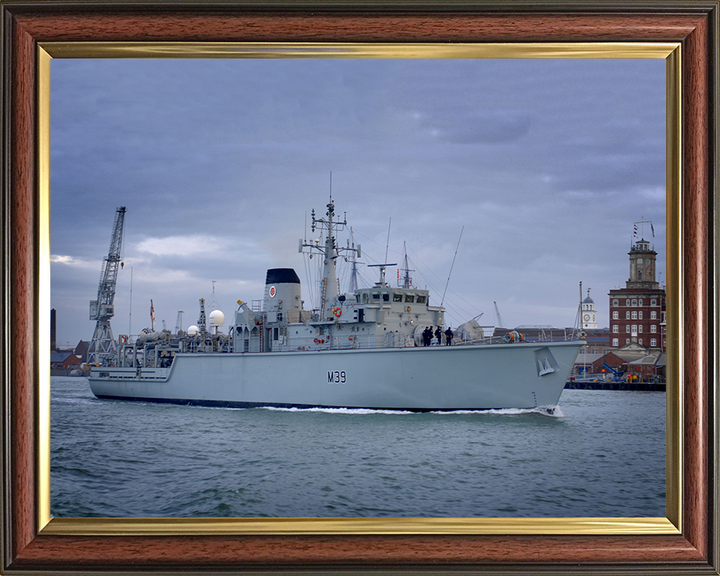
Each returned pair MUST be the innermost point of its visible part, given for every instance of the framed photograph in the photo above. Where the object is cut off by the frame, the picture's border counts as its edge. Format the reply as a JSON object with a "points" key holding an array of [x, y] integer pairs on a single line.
{"points": [[34, 34]]}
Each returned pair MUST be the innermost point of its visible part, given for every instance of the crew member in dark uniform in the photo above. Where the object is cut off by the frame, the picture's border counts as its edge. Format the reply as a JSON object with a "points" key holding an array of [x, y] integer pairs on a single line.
{"points": [[427, 336], [448, 336], [438, 335]]}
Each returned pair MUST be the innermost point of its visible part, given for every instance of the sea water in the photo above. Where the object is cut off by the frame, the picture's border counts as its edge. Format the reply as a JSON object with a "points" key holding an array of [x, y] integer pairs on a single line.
{"points": [[602, 453]]}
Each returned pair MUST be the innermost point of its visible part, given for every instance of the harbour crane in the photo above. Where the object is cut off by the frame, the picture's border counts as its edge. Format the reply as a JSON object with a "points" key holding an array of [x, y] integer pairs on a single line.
{"points": [[103, 347], [178, 322]]}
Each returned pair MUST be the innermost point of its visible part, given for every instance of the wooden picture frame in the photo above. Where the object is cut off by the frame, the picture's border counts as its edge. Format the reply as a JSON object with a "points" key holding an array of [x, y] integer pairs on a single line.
{"points": [[30, 544]]}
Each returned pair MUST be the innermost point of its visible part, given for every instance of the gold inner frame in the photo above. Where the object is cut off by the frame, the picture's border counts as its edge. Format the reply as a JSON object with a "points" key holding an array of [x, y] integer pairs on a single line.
{"points": [[671, 524]]}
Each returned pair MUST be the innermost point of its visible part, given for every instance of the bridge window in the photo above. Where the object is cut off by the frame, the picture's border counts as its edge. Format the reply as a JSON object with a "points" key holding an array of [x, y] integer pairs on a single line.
{"points": [[397, 297], [409, 297], [386, 297], [421, 299]]}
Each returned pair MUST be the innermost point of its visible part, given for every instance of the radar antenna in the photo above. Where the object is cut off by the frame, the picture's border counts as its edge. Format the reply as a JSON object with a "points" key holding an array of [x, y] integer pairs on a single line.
{"points": [[103, 347]]}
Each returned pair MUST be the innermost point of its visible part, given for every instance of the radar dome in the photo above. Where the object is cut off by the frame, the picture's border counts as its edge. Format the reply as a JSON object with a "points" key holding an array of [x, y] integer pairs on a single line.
{"points": [[217, 318], [193, 331]]}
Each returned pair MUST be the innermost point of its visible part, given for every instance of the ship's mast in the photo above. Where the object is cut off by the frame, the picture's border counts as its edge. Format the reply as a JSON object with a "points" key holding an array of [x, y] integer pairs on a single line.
{"points": [[407, 281], [329, 252], [103, 347], [353, 274]]}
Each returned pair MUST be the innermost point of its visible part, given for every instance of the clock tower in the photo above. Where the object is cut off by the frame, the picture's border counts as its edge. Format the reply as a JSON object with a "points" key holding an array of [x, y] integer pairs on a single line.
{"points": [[637, 312], [588, 313]]}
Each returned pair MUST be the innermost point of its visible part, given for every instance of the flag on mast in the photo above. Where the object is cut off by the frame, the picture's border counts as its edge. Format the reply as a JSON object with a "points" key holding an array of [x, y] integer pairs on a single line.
{"points": [[152, 315]]}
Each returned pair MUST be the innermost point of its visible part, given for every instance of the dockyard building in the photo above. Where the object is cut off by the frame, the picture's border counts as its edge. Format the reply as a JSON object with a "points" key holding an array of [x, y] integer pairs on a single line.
{"points": [[637, 312]]}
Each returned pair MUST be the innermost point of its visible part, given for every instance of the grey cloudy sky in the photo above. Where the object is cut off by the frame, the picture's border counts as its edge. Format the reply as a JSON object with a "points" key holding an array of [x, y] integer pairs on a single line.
{"points": [[546, 164]]}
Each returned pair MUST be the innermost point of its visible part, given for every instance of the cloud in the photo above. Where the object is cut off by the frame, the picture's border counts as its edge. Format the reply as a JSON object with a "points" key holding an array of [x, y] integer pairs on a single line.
{"points": [[479, 127], [182, 245], [75, 262], [547, 163]]}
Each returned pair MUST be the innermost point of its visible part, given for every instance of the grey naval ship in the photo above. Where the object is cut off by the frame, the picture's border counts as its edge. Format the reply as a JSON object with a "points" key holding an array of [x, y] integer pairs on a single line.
{"points": [[364, 349]]}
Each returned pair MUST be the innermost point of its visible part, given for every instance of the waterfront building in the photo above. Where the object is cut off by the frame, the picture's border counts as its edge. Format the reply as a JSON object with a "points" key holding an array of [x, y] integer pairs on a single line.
{"points": [[588, 319], [637, 312]]}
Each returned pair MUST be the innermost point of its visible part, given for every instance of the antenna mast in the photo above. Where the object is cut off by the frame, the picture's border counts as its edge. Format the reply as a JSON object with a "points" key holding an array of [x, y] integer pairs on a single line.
{"points": [[498, 319], [451, 265]]}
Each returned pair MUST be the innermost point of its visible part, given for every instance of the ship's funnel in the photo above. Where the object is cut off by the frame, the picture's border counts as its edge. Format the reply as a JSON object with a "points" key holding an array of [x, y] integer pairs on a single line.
{"points": [[282, 293]]}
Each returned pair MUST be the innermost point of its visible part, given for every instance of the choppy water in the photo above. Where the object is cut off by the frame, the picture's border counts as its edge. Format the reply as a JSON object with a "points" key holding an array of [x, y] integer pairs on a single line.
{"points": [[602, 454]]}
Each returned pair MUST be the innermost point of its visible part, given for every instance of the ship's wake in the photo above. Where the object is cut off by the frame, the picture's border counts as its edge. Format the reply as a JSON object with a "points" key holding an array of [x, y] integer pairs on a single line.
{"points": [[550, 411]]}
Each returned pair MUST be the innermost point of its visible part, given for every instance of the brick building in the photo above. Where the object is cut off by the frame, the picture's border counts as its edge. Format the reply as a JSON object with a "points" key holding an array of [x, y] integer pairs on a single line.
{"points": [[637, 312]]}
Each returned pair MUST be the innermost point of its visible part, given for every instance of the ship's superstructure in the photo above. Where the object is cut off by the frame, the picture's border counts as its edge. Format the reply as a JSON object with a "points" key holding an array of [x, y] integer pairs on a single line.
{"points": [[376, 347]]}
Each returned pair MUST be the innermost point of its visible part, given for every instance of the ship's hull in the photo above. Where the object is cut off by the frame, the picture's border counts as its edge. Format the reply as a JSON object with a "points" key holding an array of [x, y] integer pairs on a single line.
{"points": [[523, 375]]}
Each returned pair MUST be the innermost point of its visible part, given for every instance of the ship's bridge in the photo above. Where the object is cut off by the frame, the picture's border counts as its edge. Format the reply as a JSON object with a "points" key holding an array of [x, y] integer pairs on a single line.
{"points": [[384, 294]]}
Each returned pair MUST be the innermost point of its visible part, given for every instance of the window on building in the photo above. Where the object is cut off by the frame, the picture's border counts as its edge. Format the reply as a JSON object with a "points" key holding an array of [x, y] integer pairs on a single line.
{"points": [[615, 315], [653, 328], [616, 302], [627, 340], [640, 328], [634, 329], [653, 315], [633, 316], [653, 342], [653, 302], [616, 328], [639, 274], [640, 315], [627, 302], [627, 328], [634, 302], [615, 342], [627, 315], [640, 302]]}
